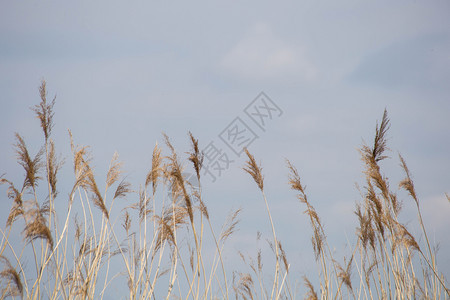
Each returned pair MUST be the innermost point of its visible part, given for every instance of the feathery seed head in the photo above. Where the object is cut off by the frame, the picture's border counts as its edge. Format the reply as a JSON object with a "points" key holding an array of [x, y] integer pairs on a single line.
{"points": [[254, 170]]}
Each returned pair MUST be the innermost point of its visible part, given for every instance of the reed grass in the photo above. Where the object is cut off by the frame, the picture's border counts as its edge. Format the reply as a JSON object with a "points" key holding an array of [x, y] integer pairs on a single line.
{"points": [[156, 239]]}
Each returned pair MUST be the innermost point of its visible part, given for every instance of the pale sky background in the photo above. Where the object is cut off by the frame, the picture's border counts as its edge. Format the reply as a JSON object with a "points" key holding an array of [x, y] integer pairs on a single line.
{"points": [[124, 72]]}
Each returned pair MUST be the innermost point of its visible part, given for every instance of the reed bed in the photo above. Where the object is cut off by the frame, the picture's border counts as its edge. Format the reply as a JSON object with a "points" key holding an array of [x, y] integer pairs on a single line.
{"points": [[153, 244]]}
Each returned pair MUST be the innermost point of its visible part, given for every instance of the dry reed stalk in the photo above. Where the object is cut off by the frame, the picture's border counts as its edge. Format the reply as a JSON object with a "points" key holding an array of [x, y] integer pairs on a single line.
{"points": [[378, 224], [177, 180], [387, 249], [318, 238], [255, 172]]}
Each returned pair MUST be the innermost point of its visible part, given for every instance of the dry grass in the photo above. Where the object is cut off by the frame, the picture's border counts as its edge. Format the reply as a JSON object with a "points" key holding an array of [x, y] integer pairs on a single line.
{"points": [[157, 241]]}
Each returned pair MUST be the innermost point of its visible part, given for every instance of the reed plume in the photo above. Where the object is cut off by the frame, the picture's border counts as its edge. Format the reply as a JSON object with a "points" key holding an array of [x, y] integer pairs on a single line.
{"points": [[195, 156], [38, 229], [11, 283], [254, 170], [311, 295], [85, 176], [156, 170], [44, 111], [31, 166]]}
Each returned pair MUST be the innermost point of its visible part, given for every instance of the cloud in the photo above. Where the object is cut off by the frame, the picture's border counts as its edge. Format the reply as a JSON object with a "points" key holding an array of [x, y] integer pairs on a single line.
{"points": [[260, 55]]}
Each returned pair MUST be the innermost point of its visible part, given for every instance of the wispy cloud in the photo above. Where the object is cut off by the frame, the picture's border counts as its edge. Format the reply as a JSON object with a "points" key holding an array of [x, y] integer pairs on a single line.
{"points": [[261, 55]]}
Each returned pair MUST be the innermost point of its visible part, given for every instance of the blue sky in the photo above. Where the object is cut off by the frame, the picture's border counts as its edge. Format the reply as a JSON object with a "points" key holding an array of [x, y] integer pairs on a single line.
{"points": [[123, 73]]}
